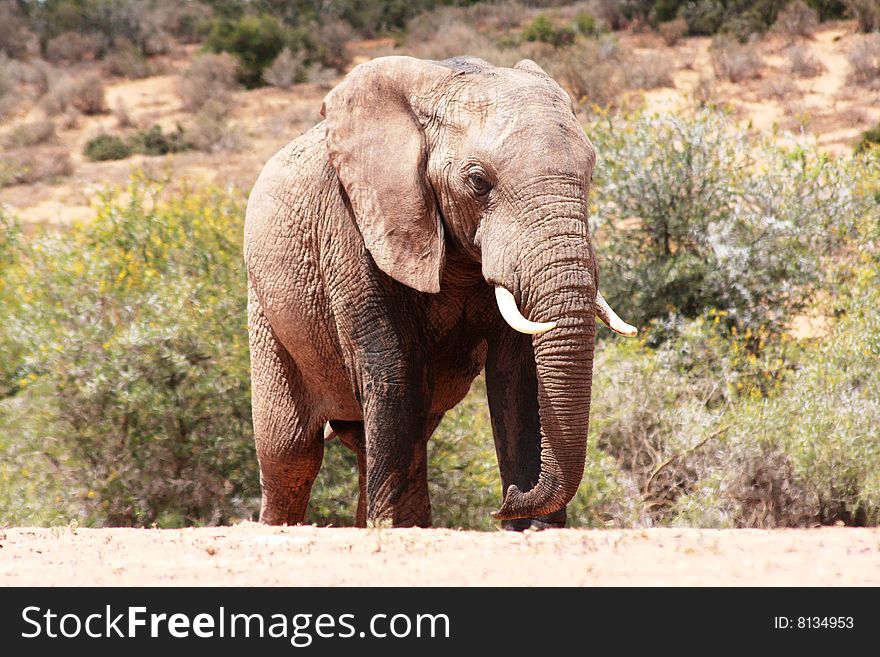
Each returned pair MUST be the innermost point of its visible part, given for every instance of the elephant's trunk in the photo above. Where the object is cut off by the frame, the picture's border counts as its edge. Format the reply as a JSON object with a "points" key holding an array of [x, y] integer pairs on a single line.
{"points": [[564, 290]]}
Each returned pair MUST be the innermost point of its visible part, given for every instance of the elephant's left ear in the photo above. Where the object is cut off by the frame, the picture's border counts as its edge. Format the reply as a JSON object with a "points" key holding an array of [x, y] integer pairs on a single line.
{"points": [[379, 151]]}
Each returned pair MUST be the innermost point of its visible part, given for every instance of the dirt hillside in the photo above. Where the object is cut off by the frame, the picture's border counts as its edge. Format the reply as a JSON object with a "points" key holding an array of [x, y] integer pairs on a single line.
{"points": [[826, 108]]}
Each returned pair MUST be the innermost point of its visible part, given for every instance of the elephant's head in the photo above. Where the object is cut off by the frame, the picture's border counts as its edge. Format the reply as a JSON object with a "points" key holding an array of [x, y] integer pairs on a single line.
{"points": [[493, 160]]}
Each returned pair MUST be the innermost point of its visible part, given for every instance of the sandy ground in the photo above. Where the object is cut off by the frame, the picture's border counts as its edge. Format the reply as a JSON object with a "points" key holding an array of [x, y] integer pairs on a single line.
{"points": [[251, 554]]}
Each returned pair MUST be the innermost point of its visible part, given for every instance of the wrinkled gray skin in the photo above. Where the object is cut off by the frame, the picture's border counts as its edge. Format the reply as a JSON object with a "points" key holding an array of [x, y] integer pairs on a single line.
{"points": [[373, 243]]}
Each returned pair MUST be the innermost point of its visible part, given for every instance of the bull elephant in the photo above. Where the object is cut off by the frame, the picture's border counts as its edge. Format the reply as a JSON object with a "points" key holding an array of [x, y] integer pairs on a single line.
{"points": [[395, 250]]}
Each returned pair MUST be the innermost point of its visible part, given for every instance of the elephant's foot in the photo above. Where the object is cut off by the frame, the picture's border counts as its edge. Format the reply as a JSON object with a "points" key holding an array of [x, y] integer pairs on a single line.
{"points": [[552, 521]]}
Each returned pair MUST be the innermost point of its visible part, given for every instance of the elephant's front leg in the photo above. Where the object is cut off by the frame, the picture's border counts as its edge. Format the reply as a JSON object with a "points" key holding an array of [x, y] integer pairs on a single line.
{"points": [[512, 387], [397, 424]]}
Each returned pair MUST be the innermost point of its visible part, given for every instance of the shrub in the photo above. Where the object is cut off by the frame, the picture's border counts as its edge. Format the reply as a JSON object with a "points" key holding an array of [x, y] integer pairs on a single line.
{"points": [[120, 113], [592, 71], [210, 131], [443, 34], [544, 30], [703, 91], [138, 371], [25, 166], [30, 134], [57, 99], [87, 95], [802, 63], [156, 142], [36, 73], [689, 217], [107, 147], [15, 37], [500, 16], [127, 63], [287, 69], [612, 13], [778, 88], [734, 61], [255, 41], [673, 31], [332, 45], [7, 99], [73, 47], [864, 60], [209, 78], [586, 24], [826, 419], [797, 19], [704, 17], [866, 13], [666, 418], [869, 139], [649, 72]]}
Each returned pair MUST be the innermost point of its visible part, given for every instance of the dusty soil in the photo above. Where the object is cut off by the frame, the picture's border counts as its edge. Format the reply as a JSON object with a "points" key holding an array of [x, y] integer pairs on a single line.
{"points": [[251, 554]]}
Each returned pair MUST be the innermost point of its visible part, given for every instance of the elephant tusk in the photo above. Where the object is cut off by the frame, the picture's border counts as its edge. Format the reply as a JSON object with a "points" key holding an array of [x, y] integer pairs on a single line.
{"points": [[512, 315], [607, 315]]}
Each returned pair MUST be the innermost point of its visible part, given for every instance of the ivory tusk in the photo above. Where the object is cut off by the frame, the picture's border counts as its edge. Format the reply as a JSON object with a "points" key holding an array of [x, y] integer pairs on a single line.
{"points": [[512, 315], [607, 315]]}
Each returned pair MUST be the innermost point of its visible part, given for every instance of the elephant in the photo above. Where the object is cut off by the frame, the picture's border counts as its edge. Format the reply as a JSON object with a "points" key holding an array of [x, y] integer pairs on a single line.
{"points": [[393, 252]]}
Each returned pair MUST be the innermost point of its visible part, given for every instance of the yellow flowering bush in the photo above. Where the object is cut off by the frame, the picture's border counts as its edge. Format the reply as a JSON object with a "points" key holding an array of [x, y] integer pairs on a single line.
{"points": [[133, 330]]}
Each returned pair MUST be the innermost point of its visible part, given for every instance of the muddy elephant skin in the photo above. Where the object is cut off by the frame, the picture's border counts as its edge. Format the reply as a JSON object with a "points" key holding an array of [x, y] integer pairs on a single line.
{"points": [[384, 249]]}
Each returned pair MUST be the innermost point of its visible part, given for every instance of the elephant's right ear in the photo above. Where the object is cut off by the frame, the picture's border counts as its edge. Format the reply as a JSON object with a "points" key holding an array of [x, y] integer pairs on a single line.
{"points": [[379, 151]]}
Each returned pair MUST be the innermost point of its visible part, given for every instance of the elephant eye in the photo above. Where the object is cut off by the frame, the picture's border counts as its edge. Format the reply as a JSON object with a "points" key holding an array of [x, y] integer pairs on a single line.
{"points": [[479, 183]]}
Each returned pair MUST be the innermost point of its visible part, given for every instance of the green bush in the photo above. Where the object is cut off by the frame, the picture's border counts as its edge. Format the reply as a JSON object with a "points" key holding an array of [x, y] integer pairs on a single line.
{"points": [[585, 23], [692, 215], [544, 30], [148, 142], [870, 138], [254, 40], [107, 147], [156, 142], [135, 360]]}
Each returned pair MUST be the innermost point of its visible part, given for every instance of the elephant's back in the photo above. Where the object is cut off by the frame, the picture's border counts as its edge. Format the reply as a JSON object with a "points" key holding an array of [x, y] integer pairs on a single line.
{"points": [[284, 186]]}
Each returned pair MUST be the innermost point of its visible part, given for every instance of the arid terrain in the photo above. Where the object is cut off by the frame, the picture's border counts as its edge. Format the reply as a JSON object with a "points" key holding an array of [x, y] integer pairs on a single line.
{"points": [[825, 107], [249, 554]]}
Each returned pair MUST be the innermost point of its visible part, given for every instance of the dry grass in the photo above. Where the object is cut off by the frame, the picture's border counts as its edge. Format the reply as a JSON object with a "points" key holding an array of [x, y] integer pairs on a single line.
{"points": [[444, 34], [211, 131], [864, 60], [73, 47], [703, 91], [30, 165], [866, 13], [797, 19], [287, 69], [122, 115], [16, 39], [210, 78], [85, 95], [803, 64], [592, 71], [30, 134], [673, 31], [649, 72], [127, 63], [333, 51], [734, 61], [778, 88]]}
